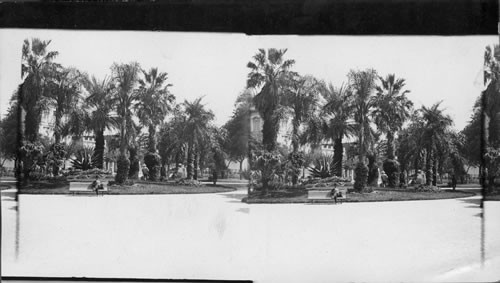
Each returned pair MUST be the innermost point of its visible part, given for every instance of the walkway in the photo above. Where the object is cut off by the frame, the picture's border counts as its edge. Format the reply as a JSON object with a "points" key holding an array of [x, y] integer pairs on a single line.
{"points": [[215, 236]]}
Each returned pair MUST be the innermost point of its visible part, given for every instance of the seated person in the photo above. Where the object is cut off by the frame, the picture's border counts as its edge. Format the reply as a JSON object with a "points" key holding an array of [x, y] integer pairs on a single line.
{"points": [[97, 185], [335, 193]]}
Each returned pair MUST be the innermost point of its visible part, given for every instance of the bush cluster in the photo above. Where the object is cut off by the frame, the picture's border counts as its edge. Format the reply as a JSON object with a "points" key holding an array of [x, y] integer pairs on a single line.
{"points": [[187, 182], [153, 162], [391, 169], [361, 176], [123, 166]]}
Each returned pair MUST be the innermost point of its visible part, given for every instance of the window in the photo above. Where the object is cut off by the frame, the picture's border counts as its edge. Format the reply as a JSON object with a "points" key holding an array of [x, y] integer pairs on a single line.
{"points": [[256, 124]]}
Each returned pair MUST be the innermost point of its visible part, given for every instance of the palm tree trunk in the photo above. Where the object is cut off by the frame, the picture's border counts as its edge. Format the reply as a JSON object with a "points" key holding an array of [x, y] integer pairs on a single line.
{"points": [[99, 148], [152, 138], [372, 170], [390, 145], [361, 156], [434, 171], [195, 164], [123, 141], [428, 167], [241, 166], [338, 152], [269, 132], [189, 168], [57, 125], [295, 135], [134, 163]]}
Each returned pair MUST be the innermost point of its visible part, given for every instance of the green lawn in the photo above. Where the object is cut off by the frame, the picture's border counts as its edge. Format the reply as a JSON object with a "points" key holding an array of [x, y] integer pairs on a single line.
{"points": [[382, 195], [62, 188]]}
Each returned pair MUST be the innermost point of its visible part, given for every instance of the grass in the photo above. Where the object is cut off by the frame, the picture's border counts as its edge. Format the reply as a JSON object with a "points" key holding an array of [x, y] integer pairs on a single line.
{"points": [[62, 188], [493, 196], [4, 187], [376, 196]]}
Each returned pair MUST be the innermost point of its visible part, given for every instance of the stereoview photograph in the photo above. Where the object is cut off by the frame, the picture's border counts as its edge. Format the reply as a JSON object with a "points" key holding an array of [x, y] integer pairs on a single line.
{"points": [[265, 158]]}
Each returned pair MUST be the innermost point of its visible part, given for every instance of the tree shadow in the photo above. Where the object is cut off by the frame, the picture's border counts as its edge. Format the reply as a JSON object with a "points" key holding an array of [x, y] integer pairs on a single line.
{"points": [[475, 202], [234, 198], [245, 210]]}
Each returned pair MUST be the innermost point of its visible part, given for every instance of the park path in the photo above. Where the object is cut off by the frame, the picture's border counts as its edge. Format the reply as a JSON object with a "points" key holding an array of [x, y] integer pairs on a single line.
{"points": [[216, 236]]}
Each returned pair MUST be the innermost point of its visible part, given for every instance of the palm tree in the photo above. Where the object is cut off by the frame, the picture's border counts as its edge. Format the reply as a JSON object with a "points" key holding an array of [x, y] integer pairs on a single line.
{"points": [[125, 77], [434, 133], [362, 84], [392, 110], [410, 150], [196, 129], [155, 101], [269, 72], [172, 145], [36, 68], [65, 92], [100, 103], [302, 99], [64, 89], [337, 110]]}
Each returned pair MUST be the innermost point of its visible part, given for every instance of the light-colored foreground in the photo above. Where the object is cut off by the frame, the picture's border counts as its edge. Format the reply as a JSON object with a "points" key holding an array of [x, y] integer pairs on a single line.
{"points": [[215, 236]]}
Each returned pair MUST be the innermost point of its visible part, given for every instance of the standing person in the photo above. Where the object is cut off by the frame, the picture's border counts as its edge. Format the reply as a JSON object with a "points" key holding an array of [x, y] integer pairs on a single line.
{"points": [[384, 178], [453, 181], [145, 172], [214, 177]]}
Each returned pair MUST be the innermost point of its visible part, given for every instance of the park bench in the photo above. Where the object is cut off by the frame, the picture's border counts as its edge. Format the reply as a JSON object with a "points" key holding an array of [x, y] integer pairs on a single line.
{"points": [[324, 194], [85, 187]]}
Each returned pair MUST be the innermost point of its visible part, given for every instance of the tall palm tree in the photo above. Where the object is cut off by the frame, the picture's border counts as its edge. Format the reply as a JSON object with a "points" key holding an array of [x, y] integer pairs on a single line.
{"points": [[196, 129], [337, 110], [268, 73], [155, 101], [392, 110], [301, 96], [434, 133], [362, 84], [125, 77], [36, 67], [172, 145], [65, 92], [100, 103]]}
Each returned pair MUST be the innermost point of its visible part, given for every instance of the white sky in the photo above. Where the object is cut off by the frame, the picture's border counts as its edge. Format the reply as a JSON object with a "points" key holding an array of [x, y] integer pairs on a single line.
{"points": [[214, 64]]}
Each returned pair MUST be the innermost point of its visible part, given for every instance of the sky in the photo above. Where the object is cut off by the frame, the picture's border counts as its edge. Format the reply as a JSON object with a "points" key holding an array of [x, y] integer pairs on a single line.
{"points": [[213, 65]]}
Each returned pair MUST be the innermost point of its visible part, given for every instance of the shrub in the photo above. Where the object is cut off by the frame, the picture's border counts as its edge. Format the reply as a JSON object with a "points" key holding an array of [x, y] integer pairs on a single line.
{"points": [[322, 168], [372, 171], [246, 174], [361, 176], [152, 161], [84, 160], [187, 182], [391, 168], [268, 164], [295, 162], [123, 165], [125, 183]]}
